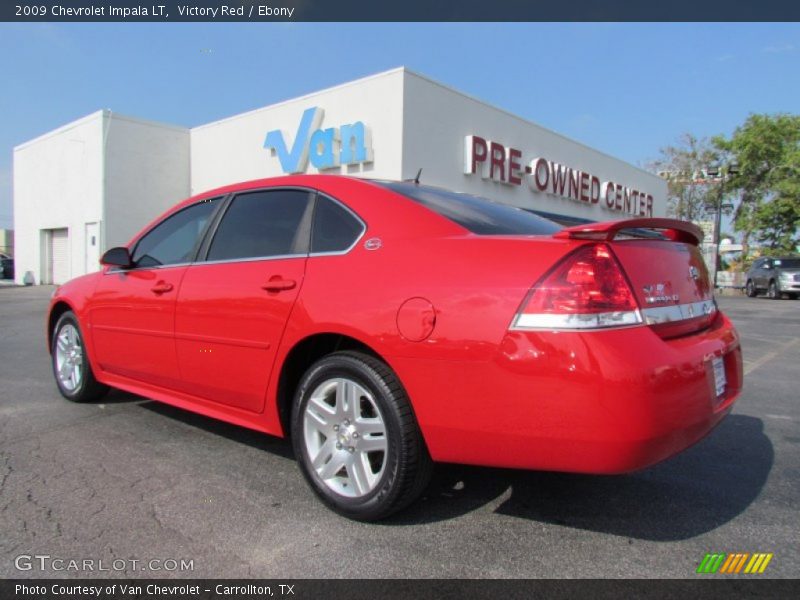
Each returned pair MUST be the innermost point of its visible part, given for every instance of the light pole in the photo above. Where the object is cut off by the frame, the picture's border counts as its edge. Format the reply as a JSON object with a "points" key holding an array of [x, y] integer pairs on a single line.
{"points": [[721, 175]]}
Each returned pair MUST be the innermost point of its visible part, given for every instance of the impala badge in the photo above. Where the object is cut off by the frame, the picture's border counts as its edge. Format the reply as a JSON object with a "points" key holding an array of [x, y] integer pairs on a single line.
{"points": [[373, 243], [659, 292]]}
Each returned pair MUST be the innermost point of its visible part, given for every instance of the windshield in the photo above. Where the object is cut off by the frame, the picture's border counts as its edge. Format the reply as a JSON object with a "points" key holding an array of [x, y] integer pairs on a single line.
{"points": [[787, 263], [476, 214]]}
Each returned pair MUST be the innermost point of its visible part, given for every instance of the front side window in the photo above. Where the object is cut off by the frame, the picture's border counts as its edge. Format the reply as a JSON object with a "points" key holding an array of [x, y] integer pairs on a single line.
{"points": [[173, 241], [335, 228], [264, 224]]}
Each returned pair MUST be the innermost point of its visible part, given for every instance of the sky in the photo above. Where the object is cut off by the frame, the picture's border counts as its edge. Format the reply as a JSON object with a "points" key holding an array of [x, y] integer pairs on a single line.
{"points": [[626, 89]]}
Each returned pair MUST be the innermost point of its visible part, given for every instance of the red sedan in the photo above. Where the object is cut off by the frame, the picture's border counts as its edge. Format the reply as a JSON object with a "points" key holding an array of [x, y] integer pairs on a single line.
{"points": [[387, 325]]}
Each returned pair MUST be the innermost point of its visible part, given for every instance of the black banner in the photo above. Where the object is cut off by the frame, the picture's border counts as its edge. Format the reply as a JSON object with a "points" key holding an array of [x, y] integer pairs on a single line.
{"points": [[709, 588], [407, 10]]}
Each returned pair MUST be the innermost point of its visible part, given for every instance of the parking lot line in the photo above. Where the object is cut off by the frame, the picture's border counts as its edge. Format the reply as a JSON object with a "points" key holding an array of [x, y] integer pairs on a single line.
{"points": [[769, 356]]}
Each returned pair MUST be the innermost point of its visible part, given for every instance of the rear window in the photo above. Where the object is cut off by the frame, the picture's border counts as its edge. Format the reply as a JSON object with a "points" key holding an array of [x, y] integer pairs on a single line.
{"points": [[474, 213]]}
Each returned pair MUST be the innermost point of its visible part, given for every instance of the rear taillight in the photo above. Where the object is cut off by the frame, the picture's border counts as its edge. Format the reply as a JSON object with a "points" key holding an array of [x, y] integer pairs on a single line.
{"points": [[586, 290]]}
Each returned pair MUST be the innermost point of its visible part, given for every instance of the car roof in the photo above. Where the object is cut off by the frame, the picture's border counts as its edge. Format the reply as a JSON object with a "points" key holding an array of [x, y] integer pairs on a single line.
{"points": [[378, 206], [300, 180]]}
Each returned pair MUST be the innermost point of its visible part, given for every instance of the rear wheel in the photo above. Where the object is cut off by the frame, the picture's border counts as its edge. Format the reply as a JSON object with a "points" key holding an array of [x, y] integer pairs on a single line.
{"points": [[772, 291], [71, 368], [750, 289], [356, 438]]}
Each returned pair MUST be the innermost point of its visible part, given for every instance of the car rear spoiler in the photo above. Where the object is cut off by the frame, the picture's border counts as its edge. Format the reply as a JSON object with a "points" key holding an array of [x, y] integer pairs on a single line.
{"points": [[674, 229]]}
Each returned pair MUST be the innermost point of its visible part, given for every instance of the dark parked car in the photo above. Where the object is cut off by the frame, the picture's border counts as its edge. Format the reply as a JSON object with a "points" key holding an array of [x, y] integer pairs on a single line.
{"points": [[775, 276], [6, 266]]}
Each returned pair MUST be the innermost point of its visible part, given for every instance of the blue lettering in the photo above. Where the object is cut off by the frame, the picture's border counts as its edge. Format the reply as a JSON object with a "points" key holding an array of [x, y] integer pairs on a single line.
{"points": [[296, 160], [324, 146], [354, 144]]}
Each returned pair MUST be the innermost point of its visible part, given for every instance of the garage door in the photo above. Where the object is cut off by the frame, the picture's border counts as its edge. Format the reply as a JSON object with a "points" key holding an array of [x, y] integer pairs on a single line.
{"points": [[59, 255]]}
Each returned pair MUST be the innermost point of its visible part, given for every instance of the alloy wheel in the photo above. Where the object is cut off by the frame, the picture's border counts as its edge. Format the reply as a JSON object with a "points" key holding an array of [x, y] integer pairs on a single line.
{"points": [[345, 437], [69, 357]]}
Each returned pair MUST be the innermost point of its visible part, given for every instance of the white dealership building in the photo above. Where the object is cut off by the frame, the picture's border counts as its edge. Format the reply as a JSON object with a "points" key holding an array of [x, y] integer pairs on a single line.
{"points": [[93, 183]]}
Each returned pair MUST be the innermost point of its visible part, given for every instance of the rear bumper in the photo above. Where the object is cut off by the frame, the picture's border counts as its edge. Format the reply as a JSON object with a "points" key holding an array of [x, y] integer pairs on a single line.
{"points": [[601, 402]]}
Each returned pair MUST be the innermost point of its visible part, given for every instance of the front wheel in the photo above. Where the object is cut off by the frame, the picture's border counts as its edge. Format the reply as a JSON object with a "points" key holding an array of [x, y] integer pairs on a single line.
{"points": [[750, 289], [772, 291], [356, 438], [71, 368]]}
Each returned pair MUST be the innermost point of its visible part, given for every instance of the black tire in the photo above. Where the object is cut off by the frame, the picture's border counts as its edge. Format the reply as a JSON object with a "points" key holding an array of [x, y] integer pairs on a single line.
{"points": [[773, 293], [407, 468], [750, 289], [88, 388]]}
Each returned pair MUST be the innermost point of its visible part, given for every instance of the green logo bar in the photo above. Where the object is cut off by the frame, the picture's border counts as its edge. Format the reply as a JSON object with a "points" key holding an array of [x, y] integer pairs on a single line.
{"points": [[711, 563]]}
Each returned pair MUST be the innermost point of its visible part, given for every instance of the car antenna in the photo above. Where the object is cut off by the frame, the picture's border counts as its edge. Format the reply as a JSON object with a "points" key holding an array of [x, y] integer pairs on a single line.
{"points": [[416, 179]]}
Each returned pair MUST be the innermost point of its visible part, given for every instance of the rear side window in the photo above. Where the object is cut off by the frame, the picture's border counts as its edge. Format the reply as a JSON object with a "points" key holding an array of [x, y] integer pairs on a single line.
{"points": [[335, 228], [262, 225], [474, 213], [173, 241]]}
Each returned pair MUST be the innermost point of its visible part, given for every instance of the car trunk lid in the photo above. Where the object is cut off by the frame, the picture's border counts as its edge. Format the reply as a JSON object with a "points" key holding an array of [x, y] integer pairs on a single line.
{"points": [[663, 264]]}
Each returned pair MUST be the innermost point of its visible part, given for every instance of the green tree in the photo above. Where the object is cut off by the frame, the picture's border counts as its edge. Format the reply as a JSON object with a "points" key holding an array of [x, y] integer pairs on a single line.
{"points": [[682, 165], [775, 224], [767, 150]]}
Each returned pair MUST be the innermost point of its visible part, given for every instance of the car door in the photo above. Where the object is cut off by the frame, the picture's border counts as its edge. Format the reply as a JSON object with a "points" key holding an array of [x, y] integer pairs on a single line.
{"points": [[756, 271], [764, 273], [132, 311], [233, 305]]}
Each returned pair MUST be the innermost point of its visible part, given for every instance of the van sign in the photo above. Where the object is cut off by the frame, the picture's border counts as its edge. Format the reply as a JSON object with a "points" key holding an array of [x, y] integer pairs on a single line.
{"points": [[323, 148]]}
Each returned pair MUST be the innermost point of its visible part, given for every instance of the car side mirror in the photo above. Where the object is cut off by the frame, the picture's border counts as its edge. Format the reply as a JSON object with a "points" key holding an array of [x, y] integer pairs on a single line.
{"points": [[117, 257]]}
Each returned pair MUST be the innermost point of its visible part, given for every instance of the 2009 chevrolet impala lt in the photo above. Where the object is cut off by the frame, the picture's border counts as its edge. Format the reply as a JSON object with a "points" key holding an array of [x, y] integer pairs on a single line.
{"points": [[387, 325]]}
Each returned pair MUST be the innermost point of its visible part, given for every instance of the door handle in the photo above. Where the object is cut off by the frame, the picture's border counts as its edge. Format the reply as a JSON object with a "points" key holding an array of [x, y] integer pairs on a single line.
{"points": [[279, 284], [161, 287]]}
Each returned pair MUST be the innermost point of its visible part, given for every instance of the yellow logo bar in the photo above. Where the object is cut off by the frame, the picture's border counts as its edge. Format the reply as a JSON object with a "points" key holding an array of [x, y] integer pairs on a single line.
{"points": [[758, 563]]}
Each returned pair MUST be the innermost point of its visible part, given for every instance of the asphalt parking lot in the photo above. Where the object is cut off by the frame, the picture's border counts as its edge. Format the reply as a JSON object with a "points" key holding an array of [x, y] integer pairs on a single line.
{"points": [[133, 479]]}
